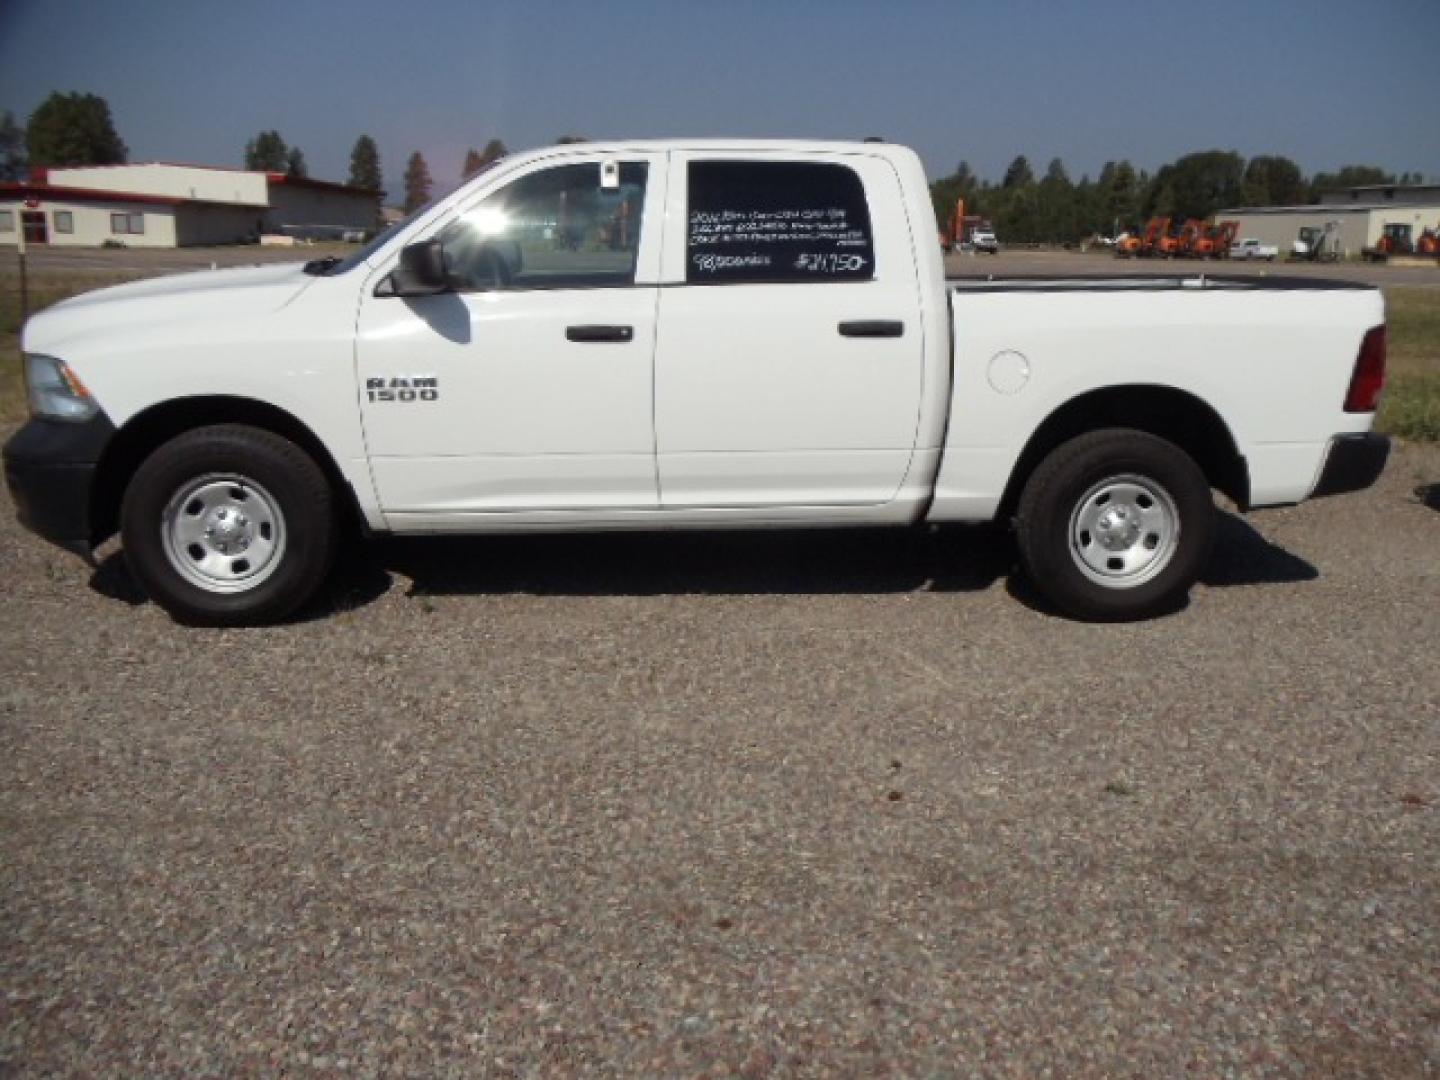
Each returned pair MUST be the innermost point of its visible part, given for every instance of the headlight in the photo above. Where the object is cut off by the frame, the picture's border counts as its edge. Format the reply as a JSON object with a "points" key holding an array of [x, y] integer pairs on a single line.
{"points": [[54, 391]]}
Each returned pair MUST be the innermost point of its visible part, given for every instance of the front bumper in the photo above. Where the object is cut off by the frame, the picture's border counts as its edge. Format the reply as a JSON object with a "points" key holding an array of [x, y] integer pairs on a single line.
{"points": [[1353, 463], [50, 470]]}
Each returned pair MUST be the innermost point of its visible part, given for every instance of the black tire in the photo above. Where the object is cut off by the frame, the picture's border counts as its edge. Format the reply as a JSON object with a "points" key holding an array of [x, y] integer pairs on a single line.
{"points": [[1116, 525], [287, 555]]}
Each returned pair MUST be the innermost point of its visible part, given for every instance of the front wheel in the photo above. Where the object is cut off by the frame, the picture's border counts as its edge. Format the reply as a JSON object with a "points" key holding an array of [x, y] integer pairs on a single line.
{"points": [[228, 526], [1116, 525]]}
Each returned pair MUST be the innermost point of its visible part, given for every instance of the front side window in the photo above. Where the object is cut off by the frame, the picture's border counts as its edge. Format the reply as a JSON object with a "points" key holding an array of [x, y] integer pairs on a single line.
{"points": [[64, 221], [559, 228], [776, 221]]}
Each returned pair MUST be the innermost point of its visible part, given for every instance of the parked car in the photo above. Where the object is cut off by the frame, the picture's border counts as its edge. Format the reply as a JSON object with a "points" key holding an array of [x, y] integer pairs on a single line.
{"points": [[467, 372], [1251, 248], [985, 240]]}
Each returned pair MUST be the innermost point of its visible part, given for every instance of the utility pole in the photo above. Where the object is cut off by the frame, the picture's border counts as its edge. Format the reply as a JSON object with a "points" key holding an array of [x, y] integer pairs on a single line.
{"points": [[24, 284]]}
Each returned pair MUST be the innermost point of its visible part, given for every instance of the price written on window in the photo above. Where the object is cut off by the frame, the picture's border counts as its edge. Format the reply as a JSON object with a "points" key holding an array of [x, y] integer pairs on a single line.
{"points": [[830, 263]]}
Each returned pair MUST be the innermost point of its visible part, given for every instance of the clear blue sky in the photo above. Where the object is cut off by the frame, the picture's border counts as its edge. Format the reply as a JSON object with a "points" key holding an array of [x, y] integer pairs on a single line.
{"points": [[1326, 82]]}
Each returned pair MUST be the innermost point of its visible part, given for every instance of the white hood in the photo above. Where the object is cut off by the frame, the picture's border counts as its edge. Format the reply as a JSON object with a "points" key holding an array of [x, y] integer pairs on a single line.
{"points": [[208, 294]]}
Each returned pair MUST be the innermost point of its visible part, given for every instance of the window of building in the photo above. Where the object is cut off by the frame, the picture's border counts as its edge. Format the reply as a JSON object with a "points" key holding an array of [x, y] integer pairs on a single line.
{"points": [[64, 221], [553, 229], [777, 221], [7, 220], [127, 224]]}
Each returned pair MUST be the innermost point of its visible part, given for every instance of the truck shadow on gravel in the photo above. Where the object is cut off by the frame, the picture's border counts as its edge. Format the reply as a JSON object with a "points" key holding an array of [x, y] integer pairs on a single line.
{"points": [[798, 561], [785, 562], [1244, 557], [779, 562]]}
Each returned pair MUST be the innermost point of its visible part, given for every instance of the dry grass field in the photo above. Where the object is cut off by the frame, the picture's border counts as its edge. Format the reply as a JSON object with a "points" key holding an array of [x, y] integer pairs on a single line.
{"points": [[1411, 406]]}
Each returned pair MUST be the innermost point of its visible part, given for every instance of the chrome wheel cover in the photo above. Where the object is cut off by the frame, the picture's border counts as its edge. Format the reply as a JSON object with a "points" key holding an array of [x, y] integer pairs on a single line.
{"points": [[1124, 531], [223, 533]]}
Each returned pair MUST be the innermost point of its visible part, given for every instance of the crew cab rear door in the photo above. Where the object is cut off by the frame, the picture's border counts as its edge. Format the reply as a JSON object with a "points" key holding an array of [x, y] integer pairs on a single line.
{"points": [[789, 350]]}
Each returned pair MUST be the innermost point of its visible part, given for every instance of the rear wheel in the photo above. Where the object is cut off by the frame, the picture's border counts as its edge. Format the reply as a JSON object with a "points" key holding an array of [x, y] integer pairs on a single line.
{"points": [[1116, 525], [229, 526]]}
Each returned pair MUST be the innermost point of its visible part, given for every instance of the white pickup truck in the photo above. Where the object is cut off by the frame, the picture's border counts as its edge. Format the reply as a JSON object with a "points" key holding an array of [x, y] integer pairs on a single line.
{"points": [[687, 334], [1250, 249]]}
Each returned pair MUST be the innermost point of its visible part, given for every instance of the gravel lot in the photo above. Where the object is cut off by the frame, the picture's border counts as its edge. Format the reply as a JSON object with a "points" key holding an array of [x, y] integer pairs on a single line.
{"points": [[794, 803]]}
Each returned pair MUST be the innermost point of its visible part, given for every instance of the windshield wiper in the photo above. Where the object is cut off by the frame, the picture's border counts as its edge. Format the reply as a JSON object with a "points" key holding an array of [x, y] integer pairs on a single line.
{"points": [[320, 267]]}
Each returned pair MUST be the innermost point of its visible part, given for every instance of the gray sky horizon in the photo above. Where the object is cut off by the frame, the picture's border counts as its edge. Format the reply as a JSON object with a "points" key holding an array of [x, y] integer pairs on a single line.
{"points": [[1325, 83]]}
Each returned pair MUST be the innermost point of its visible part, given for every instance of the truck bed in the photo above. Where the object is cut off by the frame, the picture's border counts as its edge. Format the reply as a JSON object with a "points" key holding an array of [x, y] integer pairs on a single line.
{"points": [[1271, 357]]}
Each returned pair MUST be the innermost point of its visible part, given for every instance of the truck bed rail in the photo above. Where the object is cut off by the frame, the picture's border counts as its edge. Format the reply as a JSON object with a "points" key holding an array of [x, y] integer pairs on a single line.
{"points": [[1150, 283]]}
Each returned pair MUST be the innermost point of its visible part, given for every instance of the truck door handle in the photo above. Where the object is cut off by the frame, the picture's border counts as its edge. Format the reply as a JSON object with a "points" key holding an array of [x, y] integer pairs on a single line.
{"points": [[872, 328], [600, 333]]}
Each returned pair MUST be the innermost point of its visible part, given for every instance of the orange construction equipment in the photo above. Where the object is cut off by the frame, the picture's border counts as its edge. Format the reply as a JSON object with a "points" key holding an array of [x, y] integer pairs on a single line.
{"points": [[1167, 242], [1190, 238], [1129, 244], [1222, 236], [1154, 228], [959, 226], [1395, 239], [1211, 241], [954, 228], [1429, 243]]}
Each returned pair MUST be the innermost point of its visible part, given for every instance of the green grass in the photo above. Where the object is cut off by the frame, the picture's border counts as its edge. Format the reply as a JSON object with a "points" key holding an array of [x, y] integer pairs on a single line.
{"points": [[1411, 405], [1410, 408]]}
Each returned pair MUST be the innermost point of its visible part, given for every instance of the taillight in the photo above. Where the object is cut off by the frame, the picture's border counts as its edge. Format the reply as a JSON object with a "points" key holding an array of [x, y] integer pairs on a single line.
{"points": [[1369, 377]]}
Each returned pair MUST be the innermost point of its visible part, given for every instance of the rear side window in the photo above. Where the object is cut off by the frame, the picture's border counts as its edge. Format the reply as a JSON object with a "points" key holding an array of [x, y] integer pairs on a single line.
{"points": [[776, 221]]}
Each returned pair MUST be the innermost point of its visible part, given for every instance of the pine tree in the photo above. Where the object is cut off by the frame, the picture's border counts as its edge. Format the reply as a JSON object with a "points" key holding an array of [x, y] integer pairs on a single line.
{"points": [[475, 160], [295, 166], [1018, 174], [267, 152], [417, 182], [365, 165]]}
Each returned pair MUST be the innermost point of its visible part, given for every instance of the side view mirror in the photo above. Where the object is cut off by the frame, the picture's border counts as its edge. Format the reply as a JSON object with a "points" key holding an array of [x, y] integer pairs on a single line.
{"points": [[421, 271]]}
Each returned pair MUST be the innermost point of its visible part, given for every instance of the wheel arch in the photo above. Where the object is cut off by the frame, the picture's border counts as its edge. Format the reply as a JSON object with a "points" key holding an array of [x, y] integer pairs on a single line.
{"points": [[1175, 415], [148, 430]]}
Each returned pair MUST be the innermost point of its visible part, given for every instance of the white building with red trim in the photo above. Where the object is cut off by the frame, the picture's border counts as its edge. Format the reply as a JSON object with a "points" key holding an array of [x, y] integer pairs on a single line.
{"points": [[164, 204]]}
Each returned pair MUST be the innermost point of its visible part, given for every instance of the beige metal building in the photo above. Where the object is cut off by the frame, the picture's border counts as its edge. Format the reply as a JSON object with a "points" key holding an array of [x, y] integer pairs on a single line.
{"points": [[162, 204], [1361, 215]]}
